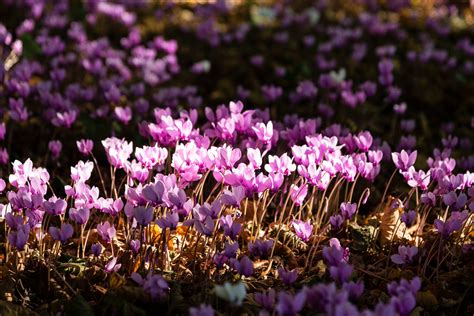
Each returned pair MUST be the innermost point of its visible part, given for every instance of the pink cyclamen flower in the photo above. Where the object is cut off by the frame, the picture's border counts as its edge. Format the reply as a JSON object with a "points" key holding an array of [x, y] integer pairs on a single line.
{"points": [[61, 234], [19, 238], [55, 206], [112, 265], [298, 194], [335, 253], [404, 255], [348, 210], [124, 115], [2, 185], [85, 146], [403, 160], [55, 147], [453, 223], [106, 231], [264, 132], [82, 171], [287, 276], [302, 229]]}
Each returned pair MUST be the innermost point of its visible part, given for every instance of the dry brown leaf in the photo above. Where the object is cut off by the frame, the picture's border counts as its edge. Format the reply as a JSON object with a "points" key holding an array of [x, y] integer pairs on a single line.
{"points": [[391, 228]]}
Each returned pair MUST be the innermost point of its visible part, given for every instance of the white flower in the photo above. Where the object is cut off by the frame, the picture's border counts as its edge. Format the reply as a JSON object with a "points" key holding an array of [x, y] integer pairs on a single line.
{"points": [[234, 293]]}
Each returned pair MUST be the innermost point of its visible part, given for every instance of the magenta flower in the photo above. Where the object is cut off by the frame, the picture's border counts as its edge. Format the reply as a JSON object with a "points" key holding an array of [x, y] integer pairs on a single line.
{"points": [[106, 231], [302, 229], [154, 192], [201, 310], [118, 151], [82, 171], [55, 147], [85, 146], [143, 215], [112, 265], [62, 234], [3, 130], [124, 115], [79, 215], [287, 276], [264, 132], [169, 220], [405, 255], [335, 254], [289, 304], [408, 218], [348, 210], [244, 266], [452, 224], [96, 249], [2, 185], [55, 206], [336, 221], [403, 160], [298, 194], [363, 141], [341, 272], [19, 238], [233, 197]]}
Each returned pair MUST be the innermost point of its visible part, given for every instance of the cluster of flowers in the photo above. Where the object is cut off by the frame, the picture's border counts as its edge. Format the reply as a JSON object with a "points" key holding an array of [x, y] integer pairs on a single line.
{"points": [[160, 215], [217, 193]]}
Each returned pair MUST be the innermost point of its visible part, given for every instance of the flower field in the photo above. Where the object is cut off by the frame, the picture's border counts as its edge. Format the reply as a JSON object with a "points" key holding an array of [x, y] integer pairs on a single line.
{"points": [[281, 157]]}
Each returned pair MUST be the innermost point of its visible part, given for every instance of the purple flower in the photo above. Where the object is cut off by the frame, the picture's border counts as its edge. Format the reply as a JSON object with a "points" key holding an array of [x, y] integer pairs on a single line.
{"points": [[302, 229], [244, 266], [348, 210], [403, 160], [298, 194], [287, 277], [341, 272], [169, 220], [96, 249], [106, 231], [62, 234], [154, 192], [454, 222], [428, 198], [154, 284], [55, 147], [363, 141], [260, 248], [19, 238], [335, 254], [135, 246], [289, 305], [85, 146], [124, 115], [403, 295], [231, 229], [336, 221], [405, 255], [233, 197], [202, 310], [112, 265], [266, 299], [408, 218], [143, 215], [80, 215], [55, 206]]}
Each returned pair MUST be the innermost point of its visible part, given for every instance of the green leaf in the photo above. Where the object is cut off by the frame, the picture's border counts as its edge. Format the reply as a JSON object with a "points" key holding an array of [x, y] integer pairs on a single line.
{"points": [[30, 47], [78, 306]]}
